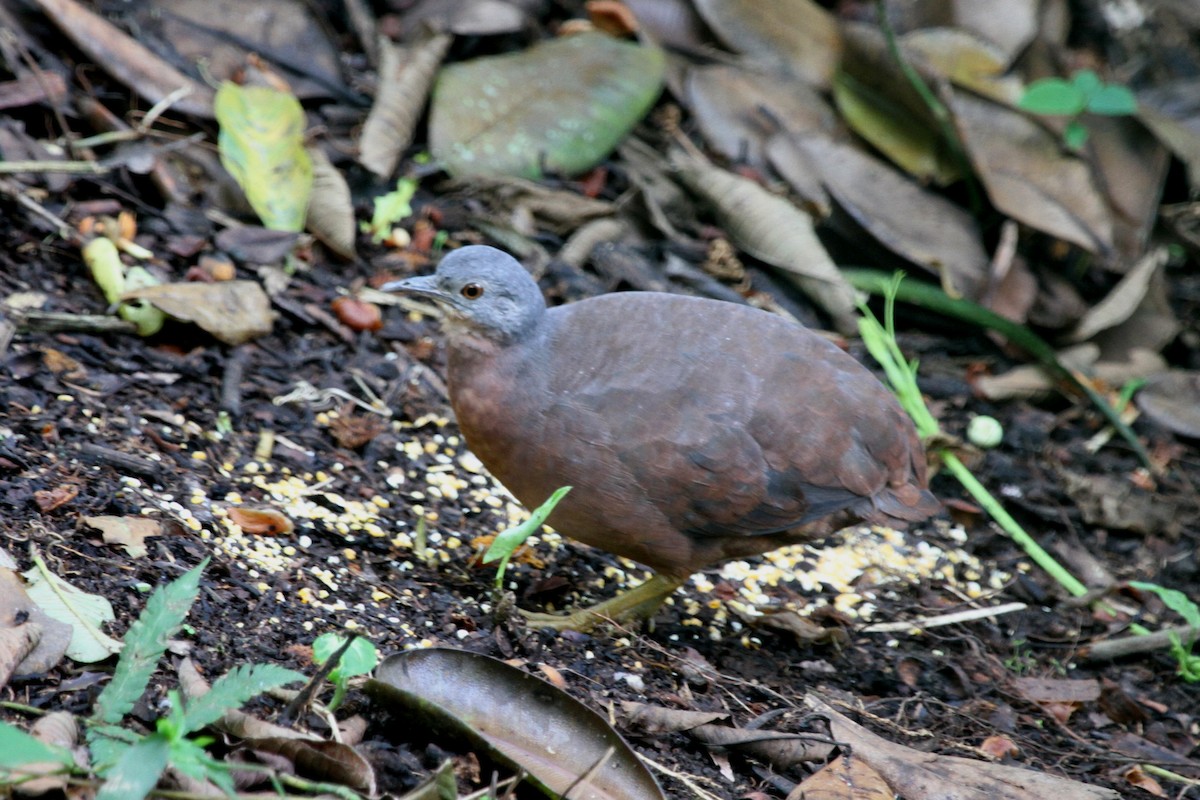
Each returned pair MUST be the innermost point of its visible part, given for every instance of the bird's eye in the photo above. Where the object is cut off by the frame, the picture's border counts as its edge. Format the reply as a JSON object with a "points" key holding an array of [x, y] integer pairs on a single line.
{"points": [[472, 291]]}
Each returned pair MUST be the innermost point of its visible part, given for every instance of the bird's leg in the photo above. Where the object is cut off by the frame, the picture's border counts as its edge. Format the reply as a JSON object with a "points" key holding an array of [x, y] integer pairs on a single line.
{"points": [[638, 603]]}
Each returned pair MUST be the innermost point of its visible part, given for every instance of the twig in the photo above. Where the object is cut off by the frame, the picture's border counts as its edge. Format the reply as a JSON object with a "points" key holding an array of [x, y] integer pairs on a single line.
{"points": [[941, 620]]}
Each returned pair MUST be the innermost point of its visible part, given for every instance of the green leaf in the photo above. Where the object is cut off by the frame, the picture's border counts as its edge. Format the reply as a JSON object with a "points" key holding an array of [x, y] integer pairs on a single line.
{"points": [[262, 145], [1173, 599], [1075, 135], [1087, 81], [562, 105], [1053, 96], [232, 690], [506, 542], [18, 748], [390, 209], [145, 643], [137, 771], [1112, 101], [359, 659]]}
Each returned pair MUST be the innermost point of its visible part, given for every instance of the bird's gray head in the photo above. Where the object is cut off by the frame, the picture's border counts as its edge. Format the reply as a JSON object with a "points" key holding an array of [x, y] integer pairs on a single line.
{"points": [[484, 292]]}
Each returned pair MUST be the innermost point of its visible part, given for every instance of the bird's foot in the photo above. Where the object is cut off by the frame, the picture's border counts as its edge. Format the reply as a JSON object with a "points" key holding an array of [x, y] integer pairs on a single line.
{"points": [[636, 604]]}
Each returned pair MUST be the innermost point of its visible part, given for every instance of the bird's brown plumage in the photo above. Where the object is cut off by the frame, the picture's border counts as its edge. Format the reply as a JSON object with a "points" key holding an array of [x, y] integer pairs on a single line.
{"points": [[692, 430]]}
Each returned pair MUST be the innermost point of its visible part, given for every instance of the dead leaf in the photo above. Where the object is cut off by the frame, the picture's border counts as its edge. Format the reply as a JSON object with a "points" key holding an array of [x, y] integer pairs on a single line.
{"points": [[261, 521], [1123, 300], [1028, 176], [232, 311], [1116, 503], [798, 36], [1172, 399], [330, 214], [843, 779], [405, 75], [773, 230], [129, 532]]}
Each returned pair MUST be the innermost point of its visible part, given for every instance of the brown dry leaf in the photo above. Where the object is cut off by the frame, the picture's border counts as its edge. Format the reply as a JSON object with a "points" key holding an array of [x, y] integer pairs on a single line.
{"points": [[796, 166], [1137, 776], [797, 36], [129, 532], [1010, 31], [673, 23], [913, 773], [323, 761], [330, 214], [261, 521], [1029, 177], [966, 59], [804, 630], [234, 722], [232, 311], [57, 728], [842, 779], [738, 110], [1116, 503], [1131, 166], [1000, 747], [1167, 118], [774, 231], [920, 226], [32, 642], [1151, 325], [405, 75], [1124, 298], [126, 59], [648, 720], [50, 499], [1172, 399], [557, 210], [464, 17]]}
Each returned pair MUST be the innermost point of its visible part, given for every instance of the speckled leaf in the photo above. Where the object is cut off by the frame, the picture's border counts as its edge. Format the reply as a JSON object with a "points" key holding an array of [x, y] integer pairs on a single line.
{"points": [[560, 106], [262, 146]]}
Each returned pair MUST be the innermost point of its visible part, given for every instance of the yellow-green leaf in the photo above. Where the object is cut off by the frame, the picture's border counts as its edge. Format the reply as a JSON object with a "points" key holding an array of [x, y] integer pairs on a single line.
{"points": [[262, 146]]}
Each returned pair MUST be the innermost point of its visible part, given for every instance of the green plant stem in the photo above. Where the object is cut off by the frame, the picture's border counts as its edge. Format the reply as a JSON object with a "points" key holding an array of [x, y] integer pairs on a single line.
{"points": [[941, 114], [934, 299], [1034, 550]]}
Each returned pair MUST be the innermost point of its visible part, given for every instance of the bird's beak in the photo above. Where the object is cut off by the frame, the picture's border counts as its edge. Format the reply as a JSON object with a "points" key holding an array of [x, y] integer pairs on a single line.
{"points": [[424, 285]]}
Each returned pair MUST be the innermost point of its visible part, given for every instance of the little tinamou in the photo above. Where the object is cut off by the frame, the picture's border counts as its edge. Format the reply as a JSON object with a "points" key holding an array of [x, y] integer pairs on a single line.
{"points": [[692, 430]]}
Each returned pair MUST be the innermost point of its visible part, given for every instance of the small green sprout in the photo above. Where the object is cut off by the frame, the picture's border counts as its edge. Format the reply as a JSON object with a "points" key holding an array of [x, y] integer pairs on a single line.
{"points": [[507, 542], [1184, 606], [390, 209], [1085, 91], [358, 659]]}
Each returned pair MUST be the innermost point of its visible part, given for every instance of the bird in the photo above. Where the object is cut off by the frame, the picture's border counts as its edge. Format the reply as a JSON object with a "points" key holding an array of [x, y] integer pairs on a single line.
{"points": [[692, 431]]}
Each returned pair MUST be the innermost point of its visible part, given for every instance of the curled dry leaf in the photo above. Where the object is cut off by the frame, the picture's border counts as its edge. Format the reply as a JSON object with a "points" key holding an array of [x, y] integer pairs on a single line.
{"points": [[33, 642], [843, 779], [330, 213], [774, 231], [1120, 303], [233, 311], [519, 718], [127, 60], [796, 36], [405, 75], [58, 728], [1172, 399], [262, 521]]}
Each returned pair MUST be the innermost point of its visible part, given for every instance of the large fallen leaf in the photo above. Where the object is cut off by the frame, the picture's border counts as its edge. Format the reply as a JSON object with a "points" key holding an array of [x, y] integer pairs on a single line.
{"points": [[1029, 177], [738, 110], [923, 227], [917, 774], [561, 106], [232, 311], [84, 612], [773, 230], [797, 36], [1123, 300], [30, 640], [521, 718], [330, 213], [1131, 165], [262, 146], [129, 532], [405, 75], [965, 59]]}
